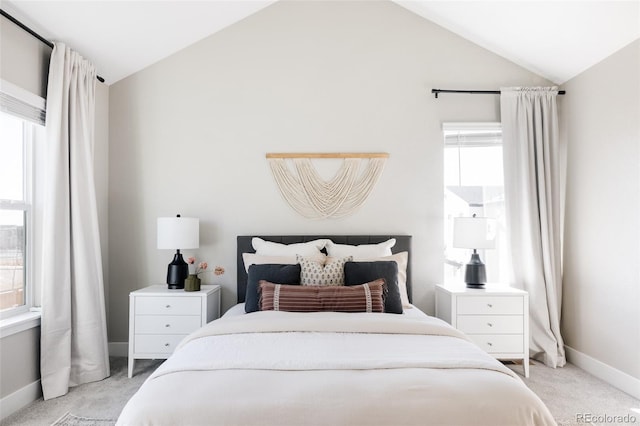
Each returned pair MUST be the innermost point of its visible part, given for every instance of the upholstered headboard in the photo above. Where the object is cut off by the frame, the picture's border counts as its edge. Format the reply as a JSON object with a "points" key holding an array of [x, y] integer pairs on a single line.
{"points": [[403, 243]]}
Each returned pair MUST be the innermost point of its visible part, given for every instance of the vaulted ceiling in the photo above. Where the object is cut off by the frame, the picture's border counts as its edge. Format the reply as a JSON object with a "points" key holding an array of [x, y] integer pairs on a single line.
{"points": [[557, 39]]}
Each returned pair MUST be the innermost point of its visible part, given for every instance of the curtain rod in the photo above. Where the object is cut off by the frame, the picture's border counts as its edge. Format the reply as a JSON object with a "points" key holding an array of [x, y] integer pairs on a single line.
{"points": [[475, 92], [35, 34]]}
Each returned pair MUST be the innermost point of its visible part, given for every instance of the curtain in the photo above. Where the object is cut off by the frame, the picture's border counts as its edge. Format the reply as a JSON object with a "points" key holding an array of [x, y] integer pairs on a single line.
{"points": [[73, 326], [534, 167]]}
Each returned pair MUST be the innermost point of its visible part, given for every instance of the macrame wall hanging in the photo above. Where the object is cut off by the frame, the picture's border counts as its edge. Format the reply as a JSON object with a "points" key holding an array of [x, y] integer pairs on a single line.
{"points": [[316, 198]]}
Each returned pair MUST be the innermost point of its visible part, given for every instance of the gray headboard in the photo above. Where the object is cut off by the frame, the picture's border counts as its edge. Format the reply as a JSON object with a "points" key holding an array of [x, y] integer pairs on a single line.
{"points": [[403, 243]]}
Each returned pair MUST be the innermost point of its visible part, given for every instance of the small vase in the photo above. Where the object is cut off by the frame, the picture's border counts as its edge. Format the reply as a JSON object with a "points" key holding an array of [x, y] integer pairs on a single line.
{"points": [[192, 283]]}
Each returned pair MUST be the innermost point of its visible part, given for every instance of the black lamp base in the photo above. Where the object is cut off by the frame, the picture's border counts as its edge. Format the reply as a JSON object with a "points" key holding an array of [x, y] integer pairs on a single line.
{"points": [[475, 274], [177, 272]]}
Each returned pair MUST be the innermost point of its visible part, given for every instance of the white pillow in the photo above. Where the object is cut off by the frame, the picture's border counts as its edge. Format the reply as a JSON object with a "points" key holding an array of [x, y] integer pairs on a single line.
{"points": [[362, 251], [257, 259], [401, 259], [268, 248]]}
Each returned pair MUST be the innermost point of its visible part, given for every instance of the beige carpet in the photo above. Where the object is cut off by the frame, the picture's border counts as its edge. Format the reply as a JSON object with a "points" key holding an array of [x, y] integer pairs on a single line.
{"points": [[99, 400], [568, 392], [575, 397]]}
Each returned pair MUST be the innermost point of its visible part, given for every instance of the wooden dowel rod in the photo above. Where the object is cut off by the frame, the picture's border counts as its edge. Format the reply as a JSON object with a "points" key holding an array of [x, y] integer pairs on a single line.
{"points": [[328, 155]]}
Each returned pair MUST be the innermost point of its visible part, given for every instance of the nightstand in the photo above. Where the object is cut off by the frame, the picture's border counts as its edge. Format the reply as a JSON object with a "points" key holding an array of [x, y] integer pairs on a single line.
{"points": [[160, 318], [496, 318]]}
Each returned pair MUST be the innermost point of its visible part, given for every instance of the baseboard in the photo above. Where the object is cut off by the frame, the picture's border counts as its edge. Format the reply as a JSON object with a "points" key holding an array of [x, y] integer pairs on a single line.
{"points": [[609, 374], [119, 349], [20, 399]]}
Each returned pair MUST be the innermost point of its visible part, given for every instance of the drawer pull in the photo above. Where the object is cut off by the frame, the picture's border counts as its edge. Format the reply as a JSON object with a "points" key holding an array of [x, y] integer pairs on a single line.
{"points": [[489, 324], [490, 305], [168, 306], [489, 344], [167, 345], [167, 325]]}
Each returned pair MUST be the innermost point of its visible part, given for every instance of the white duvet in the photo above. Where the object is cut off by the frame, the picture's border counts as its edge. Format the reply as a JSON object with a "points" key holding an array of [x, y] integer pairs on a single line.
{"points": [[327, 368]]}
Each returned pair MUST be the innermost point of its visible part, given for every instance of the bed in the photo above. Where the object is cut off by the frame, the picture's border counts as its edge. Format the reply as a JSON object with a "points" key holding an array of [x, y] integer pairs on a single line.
{"points": [[279, 367]]}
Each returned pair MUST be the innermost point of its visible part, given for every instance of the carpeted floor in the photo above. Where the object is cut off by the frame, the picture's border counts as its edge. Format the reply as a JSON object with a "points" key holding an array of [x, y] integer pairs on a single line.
{"points": [[568, 392], [99, 400], [572, 395]]}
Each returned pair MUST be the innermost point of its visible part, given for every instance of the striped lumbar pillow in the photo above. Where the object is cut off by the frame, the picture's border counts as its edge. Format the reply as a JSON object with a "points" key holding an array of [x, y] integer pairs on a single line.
{"points": [[367, 297]]}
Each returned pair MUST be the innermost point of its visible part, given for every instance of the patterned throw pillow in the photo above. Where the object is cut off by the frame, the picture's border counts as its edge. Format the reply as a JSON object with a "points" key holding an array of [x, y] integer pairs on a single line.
{"points": [[313, 272], [368, 297]]}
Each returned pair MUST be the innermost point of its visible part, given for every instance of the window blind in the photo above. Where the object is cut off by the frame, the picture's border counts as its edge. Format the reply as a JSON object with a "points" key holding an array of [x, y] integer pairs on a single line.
{"points": [[472, 134], [17, 101]]}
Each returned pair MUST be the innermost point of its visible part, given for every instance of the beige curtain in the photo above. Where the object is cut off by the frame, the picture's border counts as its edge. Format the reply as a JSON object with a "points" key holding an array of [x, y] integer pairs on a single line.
{"points": [[534, 167], [73, 326]]}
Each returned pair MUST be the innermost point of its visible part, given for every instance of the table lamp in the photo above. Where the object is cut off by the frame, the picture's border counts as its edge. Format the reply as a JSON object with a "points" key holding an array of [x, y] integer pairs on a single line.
{"points": [[474, 233], [178, 233]]}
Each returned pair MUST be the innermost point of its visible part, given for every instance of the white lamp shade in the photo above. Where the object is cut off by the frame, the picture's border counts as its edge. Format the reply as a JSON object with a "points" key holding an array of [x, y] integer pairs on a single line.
{"points": [[474, 232], [177, 233]]}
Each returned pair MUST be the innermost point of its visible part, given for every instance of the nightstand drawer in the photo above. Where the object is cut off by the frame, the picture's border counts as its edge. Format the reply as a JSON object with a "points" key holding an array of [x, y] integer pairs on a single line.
{"points": [[491, 324], [157, 343], [168, 305], [488, 305], [499, 343], [166, 324]]}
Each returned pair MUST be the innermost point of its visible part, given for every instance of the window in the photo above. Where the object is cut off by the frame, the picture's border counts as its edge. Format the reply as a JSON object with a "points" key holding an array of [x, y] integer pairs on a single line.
{"points": [[474, 184], [17, 135]]}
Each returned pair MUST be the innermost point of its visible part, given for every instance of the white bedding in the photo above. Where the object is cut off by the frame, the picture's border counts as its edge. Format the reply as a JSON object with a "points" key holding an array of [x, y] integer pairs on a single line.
{"points": [[327, 368]]}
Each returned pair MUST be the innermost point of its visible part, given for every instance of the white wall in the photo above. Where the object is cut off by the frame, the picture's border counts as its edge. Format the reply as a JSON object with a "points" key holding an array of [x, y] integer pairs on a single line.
{"points": [[189, 134], [601, 306]]}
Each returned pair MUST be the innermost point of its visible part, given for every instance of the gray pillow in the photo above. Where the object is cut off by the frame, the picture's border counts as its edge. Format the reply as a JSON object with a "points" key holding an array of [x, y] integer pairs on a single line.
{"points": [[274, 273], [356, 273]]}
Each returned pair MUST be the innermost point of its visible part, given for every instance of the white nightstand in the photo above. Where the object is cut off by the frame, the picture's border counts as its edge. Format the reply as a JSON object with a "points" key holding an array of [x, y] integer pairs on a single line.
{"points": [[160, 318], [496, 318]]}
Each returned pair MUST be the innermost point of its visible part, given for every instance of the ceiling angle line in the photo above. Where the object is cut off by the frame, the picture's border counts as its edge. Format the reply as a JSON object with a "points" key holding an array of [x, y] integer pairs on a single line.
{"points": [[436, 92], [35, 34]]}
